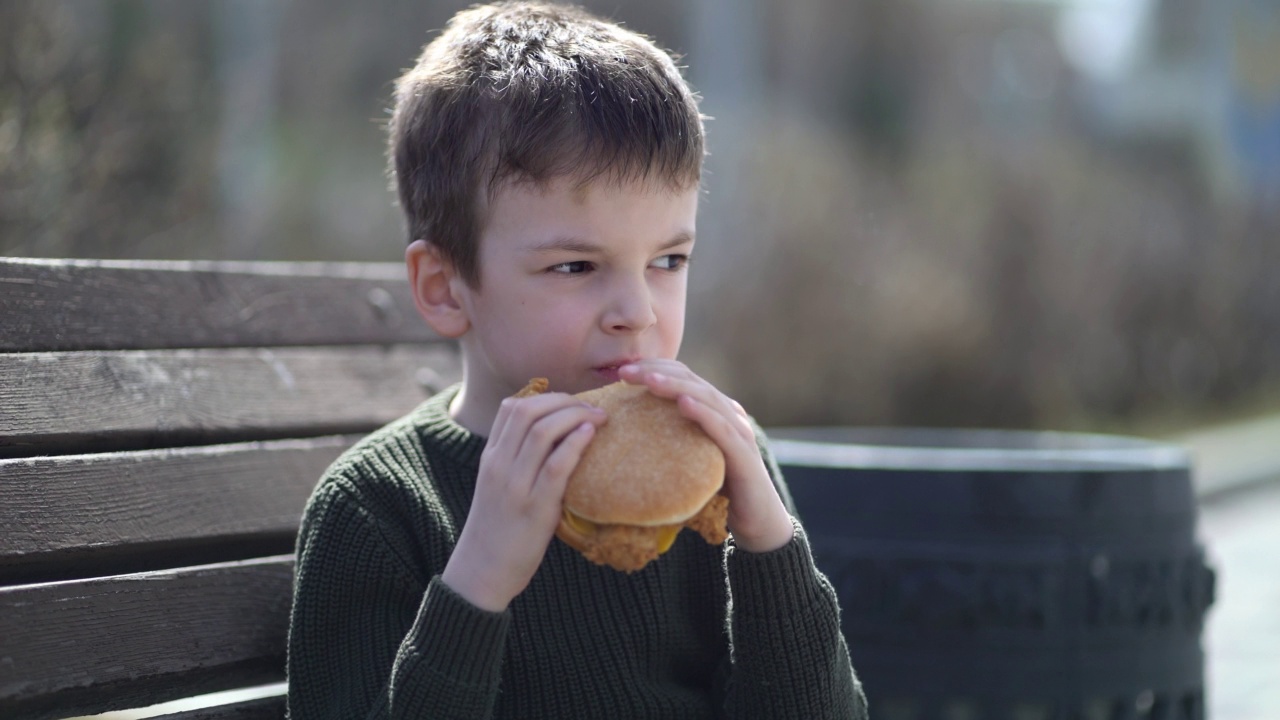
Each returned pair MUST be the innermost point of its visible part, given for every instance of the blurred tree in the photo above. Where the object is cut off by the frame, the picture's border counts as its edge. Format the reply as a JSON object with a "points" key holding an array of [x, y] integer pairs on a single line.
{"points": [[106, 124]]}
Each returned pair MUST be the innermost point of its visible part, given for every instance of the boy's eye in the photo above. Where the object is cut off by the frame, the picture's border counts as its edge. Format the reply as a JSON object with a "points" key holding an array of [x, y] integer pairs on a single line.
{"points": [[671, 262], [571, 268]]}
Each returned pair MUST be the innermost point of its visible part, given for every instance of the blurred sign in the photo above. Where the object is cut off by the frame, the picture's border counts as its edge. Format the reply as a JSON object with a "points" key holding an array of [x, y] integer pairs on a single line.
{"points": [[1254, 111]]}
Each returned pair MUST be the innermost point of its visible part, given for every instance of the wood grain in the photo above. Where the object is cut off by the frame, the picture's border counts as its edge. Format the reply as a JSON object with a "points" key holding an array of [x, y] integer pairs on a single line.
{"points": [[123, 400], [134, 305], [83, 515], [136, 640]]}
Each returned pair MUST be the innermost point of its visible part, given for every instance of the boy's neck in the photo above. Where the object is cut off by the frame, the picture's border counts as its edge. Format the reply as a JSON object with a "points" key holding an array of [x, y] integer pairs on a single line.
{"points": [[473, 412]]}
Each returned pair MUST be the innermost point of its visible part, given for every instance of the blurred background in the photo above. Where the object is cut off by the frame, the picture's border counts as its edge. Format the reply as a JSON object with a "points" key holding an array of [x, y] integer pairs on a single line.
{"points": [[1024, 214], [938, 212]]}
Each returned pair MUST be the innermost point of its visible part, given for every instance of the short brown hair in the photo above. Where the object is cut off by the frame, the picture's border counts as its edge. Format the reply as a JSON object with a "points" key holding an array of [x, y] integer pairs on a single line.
{"points": [[525, 91]]}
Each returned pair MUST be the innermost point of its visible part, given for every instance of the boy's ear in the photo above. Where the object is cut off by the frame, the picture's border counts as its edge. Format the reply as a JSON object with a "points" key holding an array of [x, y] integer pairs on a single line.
{"points": [[432, 279]]}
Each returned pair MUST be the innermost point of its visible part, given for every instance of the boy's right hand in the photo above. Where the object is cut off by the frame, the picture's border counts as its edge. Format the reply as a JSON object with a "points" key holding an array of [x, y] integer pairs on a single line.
{"points": [[534, 445]]}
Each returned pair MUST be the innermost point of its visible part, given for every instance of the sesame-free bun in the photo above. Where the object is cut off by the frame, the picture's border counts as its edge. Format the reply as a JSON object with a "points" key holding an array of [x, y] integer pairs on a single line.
{"points": [[648, 465]]}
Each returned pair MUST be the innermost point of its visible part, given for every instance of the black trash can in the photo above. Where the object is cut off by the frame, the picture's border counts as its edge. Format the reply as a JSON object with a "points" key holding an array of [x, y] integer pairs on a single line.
{"points": [[1012, 575]]}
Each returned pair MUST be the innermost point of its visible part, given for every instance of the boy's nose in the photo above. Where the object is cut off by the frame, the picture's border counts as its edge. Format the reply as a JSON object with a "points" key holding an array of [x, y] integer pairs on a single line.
{"points": [[630, 310]]}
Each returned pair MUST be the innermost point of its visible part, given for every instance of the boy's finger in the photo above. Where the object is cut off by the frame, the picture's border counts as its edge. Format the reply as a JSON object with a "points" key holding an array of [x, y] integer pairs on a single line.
{"points": [[724, 409], [500, 420], [688, 383], [723, 429], [674, 372], [551, 482], [634, 372], [522, 413], [550, 431], [564, 458], [672, 388], [511, 425]]}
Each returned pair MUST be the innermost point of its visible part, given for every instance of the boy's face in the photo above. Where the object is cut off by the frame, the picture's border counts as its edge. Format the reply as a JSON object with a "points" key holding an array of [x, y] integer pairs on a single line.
{"points": [[575, 281]]}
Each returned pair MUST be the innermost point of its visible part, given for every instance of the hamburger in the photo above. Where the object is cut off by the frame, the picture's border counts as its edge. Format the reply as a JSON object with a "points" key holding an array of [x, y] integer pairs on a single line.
{"points": [[648, 473]]}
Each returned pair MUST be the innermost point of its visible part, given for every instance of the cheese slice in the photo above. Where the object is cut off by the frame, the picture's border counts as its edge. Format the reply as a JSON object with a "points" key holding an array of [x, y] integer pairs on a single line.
{"points": [[586, 527], [664, 537]]}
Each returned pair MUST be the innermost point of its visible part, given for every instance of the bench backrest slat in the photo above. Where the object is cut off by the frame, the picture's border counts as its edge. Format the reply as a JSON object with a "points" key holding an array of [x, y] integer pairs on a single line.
{"points": [[106, 514], [103, 401], [135, 640], [132, 305]]}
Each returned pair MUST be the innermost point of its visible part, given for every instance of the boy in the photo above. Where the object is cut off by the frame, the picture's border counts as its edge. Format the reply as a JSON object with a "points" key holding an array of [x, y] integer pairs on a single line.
{"points": [[548, 164]]}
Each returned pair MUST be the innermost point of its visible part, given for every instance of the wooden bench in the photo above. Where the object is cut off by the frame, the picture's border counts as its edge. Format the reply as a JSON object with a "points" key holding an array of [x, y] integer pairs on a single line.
{"points": [[161, 426]]}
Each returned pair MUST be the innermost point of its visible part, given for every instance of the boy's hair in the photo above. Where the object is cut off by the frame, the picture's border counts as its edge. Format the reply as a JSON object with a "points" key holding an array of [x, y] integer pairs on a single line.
{"points": [[532, 92]]}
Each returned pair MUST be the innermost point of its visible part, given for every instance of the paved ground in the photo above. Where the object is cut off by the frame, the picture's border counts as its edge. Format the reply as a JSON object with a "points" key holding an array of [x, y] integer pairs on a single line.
{"points": [[1241, 531], [1230, 456]]}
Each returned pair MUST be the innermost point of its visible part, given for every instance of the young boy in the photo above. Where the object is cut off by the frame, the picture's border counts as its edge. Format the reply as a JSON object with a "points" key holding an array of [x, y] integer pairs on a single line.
{"points": [[548, 164]]}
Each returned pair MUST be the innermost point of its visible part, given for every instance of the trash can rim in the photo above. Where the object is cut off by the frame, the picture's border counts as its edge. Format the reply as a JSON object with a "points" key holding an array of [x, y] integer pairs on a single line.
{"points": [[964, 449]]}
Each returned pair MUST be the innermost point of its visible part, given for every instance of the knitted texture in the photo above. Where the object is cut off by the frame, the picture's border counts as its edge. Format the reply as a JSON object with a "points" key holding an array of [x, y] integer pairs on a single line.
{"points": [[703, 632]]}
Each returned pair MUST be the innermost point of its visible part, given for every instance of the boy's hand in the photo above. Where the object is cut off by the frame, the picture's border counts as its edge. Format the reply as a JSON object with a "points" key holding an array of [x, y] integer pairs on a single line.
{"points": [[758, 519], [533, 447]]}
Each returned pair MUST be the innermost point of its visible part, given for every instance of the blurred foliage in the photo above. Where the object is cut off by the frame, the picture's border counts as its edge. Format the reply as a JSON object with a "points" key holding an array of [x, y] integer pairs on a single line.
{"points": [[916, 219], [950, 240], [1075, 288], [104, 120]]}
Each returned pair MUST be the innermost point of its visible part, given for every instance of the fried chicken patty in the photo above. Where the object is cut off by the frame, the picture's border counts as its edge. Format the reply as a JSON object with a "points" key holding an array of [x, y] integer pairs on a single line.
{"points": [[631, 547]]}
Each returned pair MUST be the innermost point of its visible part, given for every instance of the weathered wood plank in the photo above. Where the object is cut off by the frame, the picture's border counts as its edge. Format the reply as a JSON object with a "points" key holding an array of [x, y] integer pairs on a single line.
{"points": [[84, 515], [136, 640], [114, 305], [120, 400]]}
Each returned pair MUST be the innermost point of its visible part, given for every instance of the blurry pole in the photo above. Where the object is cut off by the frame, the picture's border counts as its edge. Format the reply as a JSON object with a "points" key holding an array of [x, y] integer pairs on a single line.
{"points": [[246, 40], [728, 50], [726, 65]]}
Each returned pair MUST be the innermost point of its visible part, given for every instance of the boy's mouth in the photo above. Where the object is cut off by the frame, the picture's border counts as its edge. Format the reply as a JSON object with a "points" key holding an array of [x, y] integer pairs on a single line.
{"points": [[610, 372]]}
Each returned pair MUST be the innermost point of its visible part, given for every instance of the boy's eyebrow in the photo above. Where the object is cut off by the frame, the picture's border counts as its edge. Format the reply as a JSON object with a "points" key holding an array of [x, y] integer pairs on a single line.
{"points": [[565, 244], [680, 239], [578, 245]]}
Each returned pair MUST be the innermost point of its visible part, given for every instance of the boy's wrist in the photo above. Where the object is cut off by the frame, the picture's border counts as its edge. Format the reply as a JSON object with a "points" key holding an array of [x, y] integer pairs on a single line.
{"points": [[777, 530], [463, 581]]}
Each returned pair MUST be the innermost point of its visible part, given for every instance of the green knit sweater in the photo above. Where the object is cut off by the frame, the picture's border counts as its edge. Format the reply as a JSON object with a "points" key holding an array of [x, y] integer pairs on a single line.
{"points": [[703, 632]]}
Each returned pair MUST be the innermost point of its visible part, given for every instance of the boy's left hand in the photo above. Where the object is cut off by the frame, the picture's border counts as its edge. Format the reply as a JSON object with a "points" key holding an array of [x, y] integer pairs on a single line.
{"points": [[758, 519]]}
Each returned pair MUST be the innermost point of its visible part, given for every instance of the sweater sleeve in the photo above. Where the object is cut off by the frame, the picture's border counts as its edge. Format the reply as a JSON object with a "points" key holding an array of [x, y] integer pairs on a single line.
{"points": [[369, 640], [788, 656]]}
